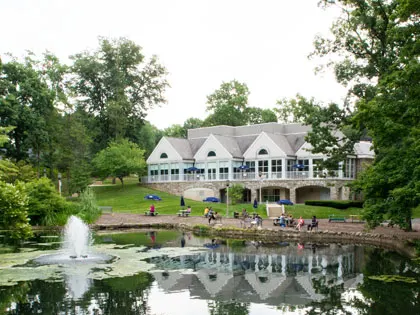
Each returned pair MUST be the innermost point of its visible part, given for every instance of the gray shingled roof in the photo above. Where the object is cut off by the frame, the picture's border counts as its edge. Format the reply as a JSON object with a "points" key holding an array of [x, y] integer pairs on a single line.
{"points": [[282, 142], [245, 142], [182, 146], [230, 144]]}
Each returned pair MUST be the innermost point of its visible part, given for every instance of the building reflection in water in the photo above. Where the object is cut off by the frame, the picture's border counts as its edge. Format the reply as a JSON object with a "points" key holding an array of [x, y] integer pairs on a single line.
{"points": [[284, 275]]}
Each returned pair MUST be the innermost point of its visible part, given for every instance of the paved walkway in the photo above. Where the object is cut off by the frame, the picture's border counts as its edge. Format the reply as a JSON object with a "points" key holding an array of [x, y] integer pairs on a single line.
{"points": [[128, 218]]}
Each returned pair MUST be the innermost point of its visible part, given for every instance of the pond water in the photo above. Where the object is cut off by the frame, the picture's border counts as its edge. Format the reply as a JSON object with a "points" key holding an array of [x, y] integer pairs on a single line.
{"points": [[168, 272]]}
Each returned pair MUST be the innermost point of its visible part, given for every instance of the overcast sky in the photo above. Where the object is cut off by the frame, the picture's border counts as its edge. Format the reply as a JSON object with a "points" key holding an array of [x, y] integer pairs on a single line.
{"points": [[202, 43]]}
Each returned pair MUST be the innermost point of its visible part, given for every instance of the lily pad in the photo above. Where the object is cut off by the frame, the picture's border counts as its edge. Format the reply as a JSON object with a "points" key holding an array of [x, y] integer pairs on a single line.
{"points": [[393, 278]]}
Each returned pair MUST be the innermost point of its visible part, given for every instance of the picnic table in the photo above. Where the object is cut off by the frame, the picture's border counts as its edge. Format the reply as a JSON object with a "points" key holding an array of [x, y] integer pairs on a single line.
{"points": [[183, 213], [355, 217]]}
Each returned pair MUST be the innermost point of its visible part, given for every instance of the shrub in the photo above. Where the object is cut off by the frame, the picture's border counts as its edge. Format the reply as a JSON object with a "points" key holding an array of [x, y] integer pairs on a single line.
{"points": [[45, 203], [13, 210], [337, 204], [88, 208]]}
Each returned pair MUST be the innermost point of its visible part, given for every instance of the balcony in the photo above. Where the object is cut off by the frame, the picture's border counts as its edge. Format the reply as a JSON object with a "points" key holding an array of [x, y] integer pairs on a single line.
{"points": [[249, 176]]}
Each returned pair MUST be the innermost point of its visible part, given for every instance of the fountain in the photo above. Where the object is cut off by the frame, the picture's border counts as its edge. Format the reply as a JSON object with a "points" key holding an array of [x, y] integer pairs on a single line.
{"points": [[76, 247], [77, 238]]}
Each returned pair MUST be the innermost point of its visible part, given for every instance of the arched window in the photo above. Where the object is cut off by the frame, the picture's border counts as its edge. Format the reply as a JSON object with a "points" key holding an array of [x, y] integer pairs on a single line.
{"points": [[263, 152], [211, 153], [163, 156]]}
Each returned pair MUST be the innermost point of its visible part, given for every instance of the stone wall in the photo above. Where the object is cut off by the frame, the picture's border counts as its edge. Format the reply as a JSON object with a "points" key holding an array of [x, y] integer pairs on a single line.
{"points": [[338, 188]]}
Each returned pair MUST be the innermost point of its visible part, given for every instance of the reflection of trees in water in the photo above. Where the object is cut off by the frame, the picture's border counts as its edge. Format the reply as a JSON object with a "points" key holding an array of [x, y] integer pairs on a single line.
{"points": [[378, 297], [332, 303], [228, 307], [126, 295], [389, 297]]}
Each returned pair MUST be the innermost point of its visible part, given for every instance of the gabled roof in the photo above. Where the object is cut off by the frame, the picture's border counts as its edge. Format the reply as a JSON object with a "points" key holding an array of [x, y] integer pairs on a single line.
{"points": [[230, 144], [182, 146], [282, 143]]}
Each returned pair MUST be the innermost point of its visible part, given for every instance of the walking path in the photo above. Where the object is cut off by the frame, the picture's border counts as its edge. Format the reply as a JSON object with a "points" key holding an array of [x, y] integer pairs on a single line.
{"points": [[121, 219]]}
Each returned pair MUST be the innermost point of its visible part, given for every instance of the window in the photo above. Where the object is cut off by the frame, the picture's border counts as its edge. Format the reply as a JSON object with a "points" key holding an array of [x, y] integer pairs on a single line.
{"points": [[251, 166], [263, 167], [276, 166], [211, 153], [223, 170], [163, 156], [263, 152]]}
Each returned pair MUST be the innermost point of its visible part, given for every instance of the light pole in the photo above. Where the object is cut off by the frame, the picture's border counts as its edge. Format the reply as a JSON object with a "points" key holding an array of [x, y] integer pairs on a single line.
{"points": [[59, 183], [261, 181], [227, 199]]}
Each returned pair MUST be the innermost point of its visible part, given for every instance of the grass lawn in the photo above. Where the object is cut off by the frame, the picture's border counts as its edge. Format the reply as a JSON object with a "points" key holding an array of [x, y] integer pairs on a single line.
{"points": [[131, 199]]}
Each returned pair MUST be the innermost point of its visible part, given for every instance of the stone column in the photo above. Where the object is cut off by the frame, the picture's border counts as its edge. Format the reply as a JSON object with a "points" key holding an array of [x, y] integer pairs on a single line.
{"points": [[293, 195], [333, 193], [253, 194]]}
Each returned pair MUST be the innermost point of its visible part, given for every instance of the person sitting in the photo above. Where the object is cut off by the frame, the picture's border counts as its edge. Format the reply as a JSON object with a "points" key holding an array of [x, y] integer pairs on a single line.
{"points": [[152, 210], [290, 220], [313, 224], [188, 210], [301, 223], [282, 221]]}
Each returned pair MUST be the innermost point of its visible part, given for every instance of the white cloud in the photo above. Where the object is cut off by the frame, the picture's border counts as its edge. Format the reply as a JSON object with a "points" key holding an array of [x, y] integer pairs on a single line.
{"points": [[263, 43]]}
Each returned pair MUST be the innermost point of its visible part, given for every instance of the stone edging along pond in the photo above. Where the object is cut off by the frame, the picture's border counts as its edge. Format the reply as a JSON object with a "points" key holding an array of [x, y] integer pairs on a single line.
{"points": [[395, 242]]}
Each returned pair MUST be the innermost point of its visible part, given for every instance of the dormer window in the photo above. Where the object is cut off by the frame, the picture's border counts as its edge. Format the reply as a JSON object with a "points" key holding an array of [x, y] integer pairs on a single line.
{"points": [[211, 153], [263, 152], [163, 156]]}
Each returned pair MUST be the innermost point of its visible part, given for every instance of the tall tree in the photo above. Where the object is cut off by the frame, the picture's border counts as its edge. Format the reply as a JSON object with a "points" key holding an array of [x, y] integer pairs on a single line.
{"points": [[118, 85], [26, 103], [376, 51], [228, 104]]}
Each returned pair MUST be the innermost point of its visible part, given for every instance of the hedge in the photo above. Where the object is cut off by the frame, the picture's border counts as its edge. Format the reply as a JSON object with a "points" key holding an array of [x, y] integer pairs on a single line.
{"points": [[337, 204]]}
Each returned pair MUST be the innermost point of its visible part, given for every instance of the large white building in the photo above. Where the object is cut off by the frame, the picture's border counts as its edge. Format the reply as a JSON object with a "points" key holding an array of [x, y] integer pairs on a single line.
{"points": [[272, 161]]}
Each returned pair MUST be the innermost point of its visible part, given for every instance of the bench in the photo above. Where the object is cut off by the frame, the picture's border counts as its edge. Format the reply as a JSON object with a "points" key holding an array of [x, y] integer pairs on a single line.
{"points": [[148, 212], [183, 213], [333, 218], [105, 209]]}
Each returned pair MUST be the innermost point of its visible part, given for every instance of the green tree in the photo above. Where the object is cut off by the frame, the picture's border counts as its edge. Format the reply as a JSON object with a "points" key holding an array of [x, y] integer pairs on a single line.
{"points": [[27, 104], [228, 104], [376, 53], [256, 115], [13, 210], [120, 159], [236, 193], [44, 202], [192, 123], [117, 85], [175, 131]]}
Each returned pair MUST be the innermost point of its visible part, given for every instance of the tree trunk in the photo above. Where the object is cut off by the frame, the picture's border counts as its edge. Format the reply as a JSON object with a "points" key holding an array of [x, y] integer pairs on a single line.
{"points": [[122, 181]]}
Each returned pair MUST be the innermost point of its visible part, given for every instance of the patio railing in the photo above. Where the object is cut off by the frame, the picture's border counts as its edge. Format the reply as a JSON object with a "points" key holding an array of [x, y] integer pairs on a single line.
{"points": [[249, 176]]}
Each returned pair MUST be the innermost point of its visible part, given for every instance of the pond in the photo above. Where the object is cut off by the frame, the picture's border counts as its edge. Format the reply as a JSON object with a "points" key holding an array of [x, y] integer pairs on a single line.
{"points": [[160, 272]]}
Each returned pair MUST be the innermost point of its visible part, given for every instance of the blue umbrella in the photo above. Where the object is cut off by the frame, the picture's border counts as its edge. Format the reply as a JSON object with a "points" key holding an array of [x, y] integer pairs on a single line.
{"points": [[299, 166], [255, 203], [192, 169], [243, 167], [182, 201]]}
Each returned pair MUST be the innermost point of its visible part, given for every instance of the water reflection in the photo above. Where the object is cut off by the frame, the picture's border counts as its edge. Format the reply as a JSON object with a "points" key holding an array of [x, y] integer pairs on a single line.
{"points": [[286, 276], [255, 279]]}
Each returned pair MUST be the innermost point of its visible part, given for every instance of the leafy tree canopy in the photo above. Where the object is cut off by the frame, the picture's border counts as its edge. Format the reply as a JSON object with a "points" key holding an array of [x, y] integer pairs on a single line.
{"points": [[120, 159], [117, 84]]}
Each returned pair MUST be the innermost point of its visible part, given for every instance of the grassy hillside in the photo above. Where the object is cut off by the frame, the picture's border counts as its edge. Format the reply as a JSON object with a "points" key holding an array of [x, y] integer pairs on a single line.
{"points": [[131, 199]]}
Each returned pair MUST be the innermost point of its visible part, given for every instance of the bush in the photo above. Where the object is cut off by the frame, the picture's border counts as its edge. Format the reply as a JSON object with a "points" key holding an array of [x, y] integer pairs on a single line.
{"points": [[88, 208], [337, 204], [45, 203], [13, 210]]}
